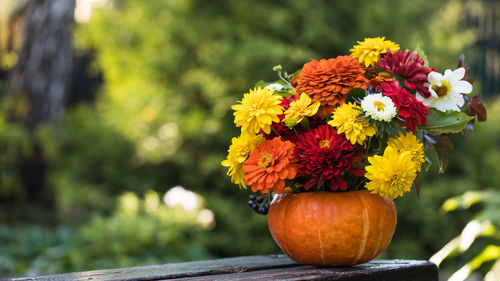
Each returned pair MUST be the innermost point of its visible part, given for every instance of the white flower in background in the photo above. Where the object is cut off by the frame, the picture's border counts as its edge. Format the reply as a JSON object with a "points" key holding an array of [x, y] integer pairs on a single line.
{"points": [[178, 195], [446, 90], [274, 86], [379, 107]]}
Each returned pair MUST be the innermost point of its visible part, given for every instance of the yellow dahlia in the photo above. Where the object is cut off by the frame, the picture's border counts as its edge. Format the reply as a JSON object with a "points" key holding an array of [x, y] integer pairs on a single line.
{"points": [[368, 52], [390, 175], [409, 142], [346, 120], [239, 150], [258, 110], [299, 109]]}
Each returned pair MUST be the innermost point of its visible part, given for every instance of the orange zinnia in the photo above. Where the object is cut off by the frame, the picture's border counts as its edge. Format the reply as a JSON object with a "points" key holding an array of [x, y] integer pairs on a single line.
{"points": [[328, 81], [269, 165]]}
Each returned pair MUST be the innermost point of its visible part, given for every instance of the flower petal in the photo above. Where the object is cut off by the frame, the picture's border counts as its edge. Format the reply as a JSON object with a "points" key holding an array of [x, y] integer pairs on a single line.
{"points": [[457, 74], [435, 78], [462, 87]]}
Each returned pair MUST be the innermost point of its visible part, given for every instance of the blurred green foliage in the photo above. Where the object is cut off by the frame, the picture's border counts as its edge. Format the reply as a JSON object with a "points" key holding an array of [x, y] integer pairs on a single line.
{"points": [[139, 231], [477, 247], [171, 71], [14, 142]]}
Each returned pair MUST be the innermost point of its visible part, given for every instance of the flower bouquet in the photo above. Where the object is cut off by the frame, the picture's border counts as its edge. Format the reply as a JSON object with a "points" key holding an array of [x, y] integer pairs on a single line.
{"points": [[330, 146]]}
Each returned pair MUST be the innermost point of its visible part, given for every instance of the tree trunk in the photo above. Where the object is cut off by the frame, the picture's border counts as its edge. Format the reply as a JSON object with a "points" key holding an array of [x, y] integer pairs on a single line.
{"points": [[42, 78], [44, 70]]}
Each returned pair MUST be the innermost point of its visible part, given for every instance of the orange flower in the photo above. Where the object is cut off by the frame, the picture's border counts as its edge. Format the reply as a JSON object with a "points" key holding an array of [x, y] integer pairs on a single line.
{"points": [[376, 78], [327, 81], [269, 165]]}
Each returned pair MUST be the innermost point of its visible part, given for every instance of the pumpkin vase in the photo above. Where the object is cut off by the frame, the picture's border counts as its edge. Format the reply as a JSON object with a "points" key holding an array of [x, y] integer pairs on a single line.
{"points": [[332, 228]]}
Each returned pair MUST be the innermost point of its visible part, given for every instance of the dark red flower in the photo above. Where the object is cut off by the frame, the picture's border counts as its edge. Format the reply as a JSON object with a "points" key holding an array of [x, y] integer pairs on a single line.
{"points": [[410, 109], [325, 156], [409, 66], [284, 132]]}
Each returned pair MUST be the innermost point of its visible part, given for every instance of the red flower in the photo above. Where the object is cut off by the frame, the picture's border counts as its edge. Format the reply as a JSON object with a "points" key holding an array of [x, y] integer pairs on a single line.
{"points": [[408, 65], [284, 132], [410, 109], [325, 155]]}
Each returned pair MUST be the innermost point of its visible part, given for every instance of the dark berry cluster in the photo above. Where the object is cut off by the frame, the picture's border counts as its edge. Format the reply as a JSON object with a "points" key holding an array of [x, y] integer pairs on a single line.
{"points": [[260, 204]]}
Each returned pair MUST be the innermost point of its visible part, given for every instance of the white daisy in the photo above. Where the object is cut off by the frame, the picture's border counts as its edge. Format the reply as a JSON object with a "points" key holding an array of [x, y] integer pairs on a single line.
{"points": [[379, 107], [275, 86], [446, 90]]}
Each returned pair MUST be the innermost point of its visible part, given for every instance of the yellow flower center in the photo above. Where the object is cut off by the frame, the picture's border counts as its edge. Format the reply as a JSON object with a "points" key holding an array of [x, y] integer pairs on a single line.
{"points": [[443, 89], [324, 144], [266, 158], [395, 179], [384, 75], [259, 111], [291, 122], [379, 105]]}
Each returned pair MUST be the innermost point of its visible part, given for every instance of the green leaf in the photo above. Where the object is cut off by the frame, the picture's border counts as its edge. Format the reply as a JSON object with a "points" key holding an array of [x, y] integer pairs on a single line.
{"points": [[431, 156], [416, 184], [443, 158], [439, 122], [355, 93], [421, 54], [294, 75], [261, 83], [427, 164], [491, 252], [464, 201]]}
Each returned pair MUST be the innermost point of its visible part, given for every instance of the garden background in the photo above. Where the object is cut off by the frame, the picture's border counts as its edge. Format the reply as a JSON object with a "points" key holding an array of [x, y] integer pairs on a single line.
{"points": [[106, 106]]}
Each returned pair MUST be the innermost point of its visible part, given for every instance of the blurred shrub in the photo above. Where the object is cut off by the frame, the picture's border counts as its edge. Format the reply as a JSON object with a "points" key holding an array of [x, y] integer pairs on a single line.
{"points": [[473, 165], [478, 245], [14, 142], [139, 232], [90, 162]]}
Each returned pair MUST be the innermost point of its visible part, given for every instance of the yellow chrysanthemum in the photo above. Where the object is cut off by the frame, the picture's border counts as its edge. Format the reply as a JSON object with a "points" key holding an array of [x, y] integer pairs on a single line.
{"points": [[356, 129], [239, 150], [409, 142], [258, 110], [390, 175], [299, 109], [368, 52]]}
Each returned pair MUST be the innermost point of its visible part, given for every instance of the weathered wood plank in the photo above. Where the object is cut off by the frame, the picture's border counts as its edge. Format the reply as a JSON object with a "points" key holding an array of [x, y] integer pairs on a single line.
{"points": [[380, 270], [272, 267], [174, 270]]}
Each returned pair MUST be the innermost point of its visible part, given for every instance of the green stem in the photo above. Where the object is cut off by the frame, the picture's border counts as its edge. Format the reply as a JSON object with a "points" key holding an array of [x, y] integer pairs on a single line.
{"points": [[297, 134], [286, 81], [274, 131], [359, 184]]}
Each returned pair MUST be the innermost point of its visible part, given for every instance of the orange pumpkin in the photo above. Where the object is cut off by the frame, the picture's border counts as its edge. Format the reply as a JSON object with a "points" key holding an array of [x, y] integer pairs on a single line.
{"points": [[332, 228]]}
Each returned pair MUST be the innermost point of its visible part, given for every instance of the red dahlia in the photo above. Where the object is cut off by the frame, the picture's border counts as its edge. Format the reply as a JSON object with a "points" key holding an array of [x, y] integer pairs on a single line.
{"points": [[410, 109], [408, 65], [325, 155]]}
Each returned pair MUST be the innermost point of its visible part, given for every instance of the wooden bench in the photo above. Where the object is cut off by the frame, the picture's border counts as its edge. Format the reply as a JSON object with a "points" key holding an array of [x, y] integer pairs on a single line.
{"points": [[271, 267]]}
